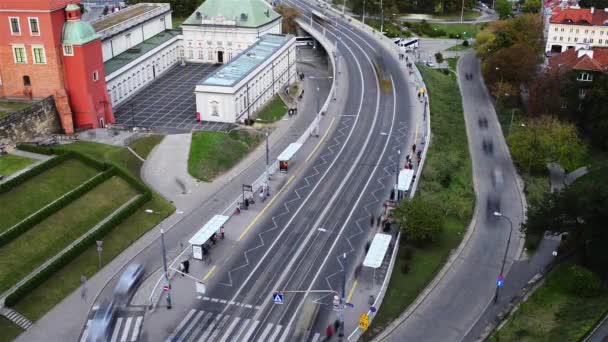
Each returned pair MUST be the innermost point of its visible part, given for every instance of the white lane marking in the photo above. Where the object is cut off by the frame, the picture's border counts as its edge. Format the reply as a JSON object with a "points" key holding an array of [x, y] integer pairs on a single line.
{"points": [[275, 333], [219, 328], [135, 335], [266, 331], [285, 334], [209, 329], [199, 327], [85, 333], [215, 300], [316, 337], [223, 301], [191, 325], [116, 329], [125, 331], [248, 306], [206, 298], [243, 327], [322, 229], [231, 327], [250, 332]]}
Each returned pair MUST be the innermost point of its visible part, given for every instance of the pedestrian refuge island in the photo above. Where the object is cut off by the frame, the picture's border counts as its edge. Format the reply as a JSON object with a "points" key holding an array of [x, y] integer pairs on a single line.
{"points": [[286, 156], [204, 234], [403, 183], [377, 251]]}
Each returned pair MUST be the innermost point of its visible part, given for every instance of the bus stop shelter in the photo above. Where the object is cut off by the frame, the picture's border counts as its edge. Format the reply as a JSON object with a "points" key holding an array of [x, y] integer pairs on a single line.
{"points": [[204, 234], [377, 251], [403, 182], [286, 156]]}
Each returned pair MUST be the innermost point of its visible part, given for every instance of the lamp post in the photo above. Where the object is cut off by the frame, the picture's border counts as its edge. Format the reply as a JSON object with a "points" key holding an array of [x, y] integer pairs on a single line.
{"points": [[267, 158], [99, 250], [343, 301], [363, 12], [504, 259], [164, 253], [381, 18]]}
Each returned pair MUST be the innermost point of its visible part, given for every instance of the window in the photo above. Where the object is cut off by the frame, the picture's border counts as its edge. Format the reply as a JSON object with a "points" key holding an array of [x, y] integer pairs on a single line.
{"points": [[215, 108], [19, 54], [585, 76], [586, 31], [581, 93], [600, 41], [15, 28], [590, 40], [181, 53], [26, 81], [561, 38], [200, 54], [209, 55], [568, 38], [38, 53], [556, 29], [68, 50], [95, 75], [576, 39], [562, 30], [34, 27], [190, 53], [571, 30], [209, 42]]}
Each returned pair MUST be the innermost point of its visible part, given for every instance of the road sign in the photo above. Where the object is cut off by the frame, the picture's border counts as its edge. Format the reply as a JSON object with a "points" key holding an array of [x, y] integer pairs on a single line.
{"points": [[372, 309], [364, 321], [350, 305], [277, 298], [500, 281]]}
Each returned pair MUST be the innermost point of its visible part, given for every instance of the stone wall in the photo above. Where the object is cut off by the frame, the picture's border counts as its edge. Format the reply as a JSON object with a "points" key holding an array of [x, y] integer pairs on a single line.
{"points": [[39, 120]]}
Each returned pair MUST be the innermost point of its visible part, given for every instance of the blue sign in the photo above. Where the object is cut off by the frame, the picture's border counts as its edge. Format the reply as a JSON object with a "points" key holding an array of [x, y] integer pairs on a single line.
{"points": [[372, 308], [277, 298], [500, 281]]}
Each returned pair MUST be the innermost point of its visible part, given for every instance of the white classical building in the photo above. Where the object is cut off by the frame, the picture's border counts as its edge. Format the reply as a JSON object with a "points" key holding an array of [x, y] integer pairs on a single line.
{"points": [[576, 28], [244, 85], [221, 29]]}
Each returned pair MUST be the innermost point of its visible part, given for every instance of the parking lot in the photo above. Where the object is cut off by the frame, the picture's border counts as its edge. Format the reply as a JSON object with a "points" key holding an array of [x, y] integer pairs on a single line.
{"points": [[168, 104]]}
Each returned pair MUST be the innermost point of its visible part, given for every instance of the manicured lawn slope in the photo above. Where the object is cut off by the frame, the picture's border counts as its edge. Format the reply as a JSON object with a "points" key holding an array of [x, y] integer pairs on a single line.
{"points": [[8, 330], [144, 146], [11, 163], [273, 111], [116, 154]]}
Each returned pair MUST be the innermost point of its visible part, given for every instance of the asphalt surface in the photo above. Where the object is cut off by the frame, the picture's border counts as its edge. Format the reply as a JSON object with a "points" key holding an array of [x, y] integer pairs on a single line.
{"points": [[345, 184], [460, 296]]}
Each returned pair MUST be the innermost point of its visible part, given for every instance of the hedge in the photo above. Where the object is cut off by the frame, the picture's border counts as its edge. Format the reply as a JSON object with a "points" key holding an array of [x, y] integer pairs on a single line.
{"points": [[96, 164], [54, 207], [75, 251]]}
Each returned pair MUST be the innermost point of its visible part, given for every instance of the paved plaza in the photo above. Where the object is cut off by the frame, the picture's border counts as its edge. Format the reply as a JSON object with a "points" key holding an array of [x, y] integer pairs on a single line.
{"points": [[168, 104]]}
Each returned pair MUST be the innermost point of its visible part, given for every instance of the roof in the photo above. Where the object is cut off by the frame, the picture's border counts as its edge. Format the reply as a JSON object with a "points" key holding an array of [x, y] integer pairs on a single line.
{"points": [[123, 15], [377, 250], [571, 59], [405, 179], [72, 7], [78, 33], [289, 152], [113, 64], [242, 13], [580, 16], [212, 226], [247, 61]]}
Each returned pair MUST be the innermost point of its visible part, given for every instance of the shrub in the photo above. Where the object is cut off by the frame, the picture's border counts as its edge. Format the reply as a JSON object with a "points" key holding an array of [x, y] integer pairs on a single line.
{"points": [[420, 220], [575, 280], [465, 42], [407, 253], [439, 57]]}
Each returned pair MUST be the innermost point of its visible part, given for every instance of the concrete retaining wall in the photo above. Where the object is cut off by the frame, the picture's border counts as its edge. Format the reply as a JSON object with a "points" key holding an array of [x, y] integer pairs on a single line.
{"points": [[40, 119]]}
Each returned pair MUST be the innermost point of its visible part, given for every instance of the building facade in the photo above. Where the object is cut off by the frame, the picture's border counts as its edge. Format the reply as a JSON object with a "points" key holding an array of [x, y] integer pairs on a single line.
{"points": [[577, 28], [243, 86]]}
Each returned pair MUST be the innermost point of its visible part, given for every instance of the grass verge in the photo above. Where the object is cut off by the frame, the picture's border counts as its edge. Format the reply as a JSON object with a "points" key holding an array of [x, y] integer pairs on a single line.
{"points": [[552, 313], [447, 181], [56, 288], [8, 107], [205, 161], [29, 197], [11, 163], [9, 330], [390, 29], [459, 47], [31, 249], [144, 146], [273, 111], [453, 31], [468, 14], [103, 152]]}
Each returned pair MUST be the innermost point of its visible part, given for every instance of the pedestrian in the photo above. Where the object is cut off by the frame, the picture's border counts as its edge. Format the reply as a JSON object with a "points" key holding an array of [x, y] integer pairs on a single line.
{"points": [[246, 203], [262, 197], [406, 166], [187, 266], [213, 238], [329, 331], [419, 95], [410, 165], [414, 148], [407, 158], [222, 232], [182, 268], [378, 220], [419, 154], [238, 210]]}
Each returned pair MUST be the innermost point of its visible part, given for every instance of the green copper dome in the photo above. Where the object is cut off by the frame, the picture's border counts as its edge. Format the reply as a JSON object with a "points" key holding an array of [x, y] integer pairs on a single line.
{"points": [[72, 7], [78, 32]]}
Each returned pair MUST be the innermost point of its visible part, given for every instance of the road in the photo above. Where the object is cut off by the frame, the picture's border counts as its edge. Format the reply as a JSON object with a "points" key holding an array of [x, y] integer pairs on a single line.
{"points": [[459, 296], [600, 333]]}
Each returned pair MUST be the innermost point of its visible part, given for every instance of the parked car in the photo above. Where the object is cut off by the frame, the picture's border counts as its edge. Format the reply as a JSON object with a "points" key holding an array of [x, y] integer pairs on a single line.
{"points": [[127, 283], [101, 324], [430, 64]]}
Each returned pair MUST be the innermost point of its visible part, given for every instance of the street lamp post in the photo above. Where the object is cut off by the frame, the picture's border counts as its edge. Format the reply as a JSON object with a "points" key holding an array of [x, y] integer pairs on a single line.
{"points": [[363, 12], [343, 301], [504, 259], [99, 250], [267, 158], [164, 253], [381, 18]]}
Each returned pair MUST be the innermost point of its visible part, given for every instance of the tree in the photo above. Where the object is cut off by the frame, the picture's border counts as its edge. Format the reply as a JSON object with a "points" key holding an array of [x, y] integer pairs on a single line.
{"points": [[531, 6], [548, 93], [503, 9], [289, 14], [593, 3], [545, 140], [419, 220], [439, 57]]}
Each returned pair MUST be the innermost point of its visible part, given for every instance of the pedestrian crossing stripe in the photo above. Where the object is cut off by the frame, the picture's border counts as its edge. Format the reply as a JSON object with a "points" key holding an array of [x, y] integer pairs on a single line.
{"points": [[124, 327], [199, 325]]}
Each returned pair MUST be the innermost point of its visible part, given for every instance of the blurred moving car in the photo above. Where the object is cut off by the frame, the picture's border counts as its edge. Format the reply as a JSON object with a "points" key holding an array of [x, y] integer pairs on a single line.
{"points": [[101, 324], [128, 282]]}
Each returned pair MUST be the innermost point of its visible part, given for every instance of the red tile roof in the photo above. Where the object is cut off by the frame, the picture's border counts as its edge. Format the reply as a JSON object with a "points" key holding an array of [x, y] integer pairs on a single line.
{"points": [[581, 16], [569, 59]]}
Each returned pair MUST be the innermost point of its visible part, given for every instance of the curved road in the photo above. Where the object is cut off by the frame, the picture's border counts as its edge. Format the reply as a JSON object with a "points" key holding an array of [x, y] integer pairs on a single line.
{"points": [[461, 292]]}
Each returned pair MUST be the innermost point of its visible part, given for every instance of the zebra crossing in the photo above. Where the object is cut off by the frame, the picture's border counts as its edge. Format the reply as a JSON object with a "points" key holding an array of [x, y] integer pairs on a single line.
{"points": [[199, 326], [126, 329]]}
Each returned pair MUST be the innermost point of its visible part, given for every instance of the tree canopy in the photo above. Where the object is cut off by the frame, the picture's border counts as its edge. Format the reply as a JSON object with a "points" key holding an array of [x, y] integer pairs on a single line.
{"points": [[503, 9], [419, 220]]}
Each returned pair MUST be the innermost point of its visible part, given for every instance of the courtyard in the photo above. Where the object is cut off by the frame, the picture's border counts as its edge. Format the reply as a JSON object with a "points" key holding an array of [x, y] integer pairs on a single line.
{"points": [[168, 104]]}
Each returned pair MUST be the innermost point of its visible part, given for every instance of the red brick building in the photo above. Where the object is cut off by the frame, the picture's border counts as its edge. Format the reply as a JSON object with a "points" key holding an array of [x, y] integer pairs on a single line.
{"points": [[45, 49]]}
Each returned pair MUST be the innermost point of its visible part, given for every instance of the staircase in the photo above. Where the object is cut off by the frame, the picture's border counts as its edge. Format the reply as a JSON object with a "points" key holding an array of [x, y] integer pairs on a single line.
{"points": [[16, 318]]}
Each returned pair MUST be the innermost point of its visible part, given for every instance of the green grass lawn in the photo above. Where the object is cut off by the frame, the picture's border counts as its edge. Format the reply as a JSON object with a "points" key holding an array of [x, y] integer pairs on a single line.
{"points": [[273, 111], [64, 282], [452, 63], [103, 152], [391, 30], [9, 330], [22, 255], [459, 47], [448, 154], [212, 153], [433, 30], [39, 191], [468, 14], [144, 146], [8, 107], [552, 313], [11, 163]]}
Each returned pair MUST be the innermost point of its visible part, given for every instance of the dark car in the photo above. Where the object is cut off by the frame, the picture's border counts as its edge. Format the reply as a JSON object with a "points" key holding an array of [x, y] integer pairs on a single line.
{"points": [[128, 282], [102, 322]]}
